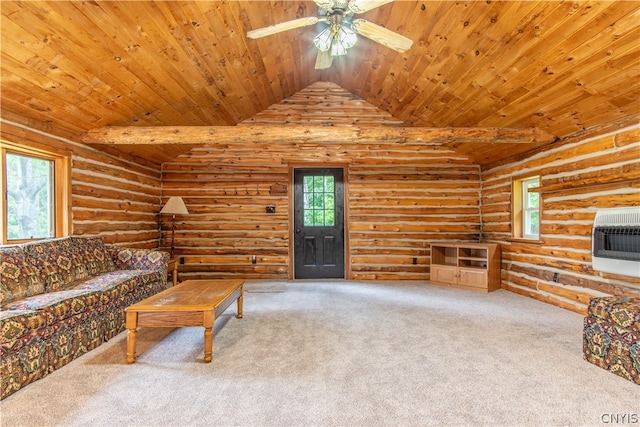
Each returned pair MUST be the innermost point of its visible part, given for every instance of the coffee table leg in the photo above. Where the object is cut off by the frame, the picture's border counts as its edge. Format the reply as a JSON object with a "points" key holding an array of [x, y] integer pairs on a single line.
{"points": [[132, 324], [240, 298], [208, 335]]}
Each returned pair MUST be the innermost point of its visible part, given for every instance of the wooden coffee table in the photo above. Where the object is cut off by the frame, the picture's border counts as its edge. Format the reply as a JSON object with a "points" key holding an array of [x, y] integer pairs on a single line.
{"points": [[191, 303]]}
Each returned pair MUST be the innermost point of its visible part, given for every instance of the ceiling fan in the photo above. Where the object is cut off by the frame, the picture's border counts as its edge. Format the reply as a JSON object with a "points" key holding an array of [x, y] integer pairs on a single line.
{"points": [[341, 34]]}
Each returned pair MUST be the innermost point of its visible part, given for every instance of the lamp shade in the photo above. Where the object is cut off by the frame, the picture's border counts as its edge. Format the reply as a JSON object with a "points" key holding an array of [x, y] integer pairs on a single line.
{"points": [[174, 206]]}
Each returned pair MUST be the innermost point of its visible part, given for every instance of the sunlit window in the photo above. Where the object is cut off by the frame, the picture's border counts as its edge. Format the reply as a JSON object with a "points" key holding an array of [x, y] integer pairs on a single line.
{"points": [[30, 197], [35, 184], [530, 209], [525, 212]]}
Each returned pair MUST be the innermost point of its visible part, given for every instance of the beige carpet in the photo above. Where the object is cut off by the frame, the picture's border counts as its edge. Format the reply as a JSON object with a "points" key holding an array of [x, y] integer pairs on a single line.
{"points": [[343, 353]]}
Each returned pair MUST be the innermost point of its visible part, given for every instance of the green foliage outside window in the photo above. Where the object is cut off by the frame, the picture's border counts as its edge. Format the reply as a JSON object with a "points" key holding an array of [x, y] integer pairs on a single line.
{"points": [[531, 208], [319, 201], [30, 197]]}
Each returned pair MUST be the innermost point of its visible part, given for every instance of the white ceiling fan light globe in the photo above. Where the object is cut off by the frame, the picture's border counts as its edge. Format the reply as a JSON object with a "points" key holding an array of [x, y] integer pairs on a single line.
{"points": [[337, 49], [347, 37], [323, 40]]}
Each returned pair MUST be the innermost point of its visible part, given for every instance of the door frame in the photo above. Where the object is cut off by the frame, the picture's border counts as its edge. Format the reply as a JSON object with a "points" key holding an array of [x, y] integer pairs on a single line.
{"points": [[345, 183]]}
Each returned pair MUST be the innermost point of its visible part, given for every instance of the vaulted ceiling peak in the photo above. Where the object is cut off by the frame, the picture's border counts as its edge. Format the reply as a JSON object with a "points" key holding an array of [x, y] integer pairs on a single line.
{"points": [[327, 104]]}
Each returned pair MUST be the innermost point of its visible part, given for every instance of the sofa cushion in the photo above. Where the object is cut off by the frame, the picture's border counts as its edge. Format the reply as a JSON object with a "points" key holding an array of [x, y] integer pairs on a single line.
{"points": [[96, 258], [622, 312], [59, 262], [139, 259], [18, 279], [118, 283], [57, 306]]}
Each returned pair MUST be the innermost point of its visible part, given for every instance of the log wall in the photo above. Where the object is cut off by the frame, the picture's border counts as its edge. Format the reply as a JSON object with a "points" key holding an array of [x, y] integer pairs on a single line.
{"points": [[400, 197], [577, 178], [112, 197]]}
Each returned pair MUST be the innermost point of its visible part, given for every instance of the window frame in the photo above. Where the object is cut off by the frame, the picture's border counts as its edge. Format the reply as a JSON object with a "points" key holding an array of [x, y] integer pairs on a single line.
{"points": [[309, 204], [61, 182], [518, 209]]}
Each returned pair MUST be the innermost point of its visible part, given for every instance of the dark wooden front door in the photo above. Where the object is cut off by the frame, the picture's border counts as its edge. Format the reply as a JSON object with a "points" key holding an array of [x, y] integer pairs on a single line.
{"points": [[318, 199]]}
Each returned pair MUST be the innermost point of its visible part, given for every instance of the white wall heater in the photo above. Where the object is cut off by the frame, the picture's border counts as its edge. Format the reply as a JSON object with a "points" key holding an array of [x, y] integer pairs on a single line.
{"points": [[615, 242]]}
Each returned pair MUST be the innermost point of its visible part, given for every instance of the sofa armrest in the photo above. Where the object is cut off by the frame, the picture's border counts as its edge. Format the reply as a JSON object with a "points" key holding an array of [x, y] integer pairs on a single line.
{"points": [[138, 259]]}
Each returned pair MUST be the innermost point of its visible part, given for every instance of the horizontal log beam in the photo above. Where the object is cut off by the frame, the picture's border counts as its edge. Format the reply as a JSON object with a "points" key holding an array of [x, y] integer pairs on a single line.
{"points": [[247, 134]]}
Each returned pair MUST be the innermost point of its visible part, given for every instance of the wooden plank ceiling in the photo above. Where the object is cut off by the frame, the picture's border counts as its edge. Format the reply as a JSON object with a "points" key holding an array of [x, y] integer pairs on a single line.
{"points": [[558, 67]]}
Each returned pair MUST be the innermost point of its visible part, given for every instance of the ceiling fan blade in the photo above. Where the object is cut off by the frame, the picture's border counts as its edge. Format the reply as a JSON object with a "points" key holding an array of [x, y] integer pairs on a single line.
{"points": [[324, 4], [282, 26], [323, 60], [361, 6], [381, 35]]}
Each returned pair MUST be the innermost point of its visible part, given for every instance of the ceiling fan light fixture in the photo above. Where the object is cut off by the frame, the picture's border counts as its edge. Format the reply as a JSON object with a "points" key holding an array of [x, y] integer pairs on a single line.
{"points": [[337, 39]]}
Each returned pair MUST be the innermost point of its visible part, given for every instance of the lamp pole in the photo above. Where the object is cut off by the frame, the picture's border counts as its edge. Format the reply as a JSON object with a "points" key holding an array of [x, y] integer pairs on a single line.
{"points": [[173, 235]]}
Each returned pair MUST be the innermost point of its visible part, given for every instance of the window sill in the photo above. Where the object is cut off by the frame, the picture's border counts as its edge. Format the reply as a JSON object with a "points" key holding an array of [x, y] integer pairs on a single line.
{"points": [[528, 241]]}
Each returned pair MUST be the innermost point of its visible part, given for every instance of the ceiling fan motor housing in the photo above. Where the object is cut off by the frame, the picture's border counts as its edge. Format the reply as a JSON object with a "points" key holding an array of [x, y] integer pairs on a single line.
{"points": [[340, 5]]}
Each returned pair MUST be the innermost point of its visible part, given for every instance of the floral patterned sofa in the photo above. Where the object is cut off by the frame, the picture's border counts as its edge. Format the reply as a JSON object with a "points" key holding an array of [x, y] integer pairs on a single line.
{"points": [[611, 337], [61, 298]]}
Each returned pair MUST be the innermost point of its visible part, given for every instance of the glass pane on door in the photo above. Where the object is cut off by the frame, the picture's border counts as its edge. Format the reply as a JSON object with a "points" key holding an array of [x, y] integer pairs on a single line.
{"points": [[319, 201]]}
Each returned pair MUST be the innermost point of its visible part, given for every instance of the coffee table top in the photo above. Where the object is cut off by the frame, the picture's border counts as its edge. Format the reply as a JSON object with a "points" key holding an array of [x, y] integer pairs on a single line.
{"points": [[195, 295]]}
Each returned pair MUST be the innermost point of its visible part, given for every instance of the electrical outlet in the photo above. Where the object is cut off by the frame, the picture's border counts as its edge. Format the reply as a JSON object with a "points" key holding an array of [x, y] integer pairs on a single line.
{"points": [[415, 260], [556, 277], [253, 259], [270, 209]]}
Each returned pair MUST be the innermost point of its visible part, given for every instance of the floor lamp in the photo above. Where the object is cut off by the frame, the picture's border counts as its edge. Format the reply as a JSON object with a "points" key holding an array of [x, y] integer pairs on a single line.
{"points": [[174, 206]]}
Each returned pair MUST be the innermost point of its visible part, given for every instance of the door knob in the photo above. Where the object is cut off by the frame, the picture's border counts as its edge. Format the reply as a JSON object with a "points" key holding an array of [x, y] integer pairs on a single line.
{"points": [[297, 230]]}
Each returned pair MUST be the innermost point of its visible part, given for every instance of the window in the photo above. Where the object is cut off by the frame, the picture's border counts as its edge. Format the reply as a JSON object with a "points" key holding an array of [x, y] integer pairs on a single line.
{"points": [[319, 201], [530, 209], [525, 217], [36, 187]]}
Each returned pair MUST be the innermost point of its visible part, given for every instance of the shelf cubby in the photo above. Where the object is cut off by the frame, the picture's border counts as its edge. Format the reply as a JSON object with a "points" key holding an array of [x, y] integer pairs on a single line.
{"points": [[466, 265]]}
